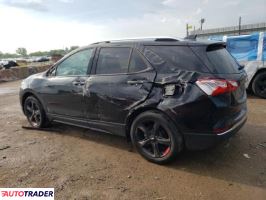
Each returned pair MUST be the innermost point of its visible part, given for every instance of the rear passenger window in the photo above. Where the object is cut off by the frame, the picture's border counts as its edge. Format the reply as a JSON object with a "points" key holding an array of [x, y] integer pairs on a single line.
{"points": [[136, 63], [113, 60]]}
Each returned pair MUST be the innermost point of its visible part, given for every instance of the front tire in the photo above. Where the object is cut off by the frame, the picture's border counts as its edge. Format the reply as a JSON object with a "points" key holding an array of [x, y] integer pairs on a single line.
{"points": [[155, 137], [34, 112], [259, 85]]}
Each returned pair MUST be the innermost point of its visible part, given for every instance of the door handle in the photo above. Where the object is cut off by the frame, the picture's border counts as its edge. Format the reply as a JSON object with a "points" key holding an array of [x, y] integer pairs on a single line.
{"points": [[136, 82], [79, 83]]}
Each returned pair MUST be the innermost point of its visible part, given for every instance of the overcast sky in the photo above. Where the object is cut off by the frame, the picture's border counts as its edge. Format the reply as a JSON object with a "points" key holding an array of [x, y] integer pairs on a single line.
{"points": [[50, 24]]}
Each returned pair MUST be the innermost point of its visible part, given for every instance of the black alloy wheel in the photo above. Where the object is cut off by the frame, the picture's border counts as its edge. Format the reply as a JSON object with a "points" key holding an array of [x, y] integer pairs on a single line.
{"points": [[34, 112], [155, 137], [259, 85]]}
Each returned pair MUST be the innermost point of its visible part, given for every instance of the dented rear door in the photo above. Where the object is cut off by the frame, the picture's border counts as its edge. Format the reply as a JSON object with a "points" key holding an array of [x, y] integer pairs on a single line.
{"points": [[121, 89]]}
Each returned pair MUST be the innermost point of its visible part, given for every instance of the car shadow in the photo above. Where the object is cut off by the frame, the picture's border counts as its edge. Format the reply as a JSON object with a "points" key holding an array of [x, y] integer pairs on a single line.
{"points": [[92, 135], [225, 161], [251, 95], [240, 159]]}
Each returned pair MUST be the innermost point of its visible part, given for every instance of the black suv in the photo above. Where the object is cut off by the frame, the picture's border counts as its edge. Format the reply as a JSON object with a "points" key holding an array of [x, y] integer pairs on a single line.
{"points": [[162, 94]]}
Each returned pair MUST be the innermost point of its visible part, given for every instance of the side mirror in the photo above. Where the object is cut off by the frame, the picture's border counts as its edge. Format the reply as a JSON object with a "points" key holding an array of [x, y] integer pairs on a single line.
{"points": [[51, 71]]}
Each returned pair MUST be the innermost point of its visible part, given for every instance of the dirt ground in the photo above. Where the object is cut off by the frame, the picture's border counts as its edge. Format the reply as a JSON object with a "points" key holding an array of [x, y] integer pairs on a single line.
{"points": [[83, 164]]}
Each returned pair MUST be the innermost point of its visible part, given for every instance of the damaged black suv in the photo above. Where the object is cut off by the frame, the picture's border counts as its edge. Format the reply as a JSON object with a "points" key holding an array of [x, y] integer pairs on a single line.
{"points": [[162, 94]]}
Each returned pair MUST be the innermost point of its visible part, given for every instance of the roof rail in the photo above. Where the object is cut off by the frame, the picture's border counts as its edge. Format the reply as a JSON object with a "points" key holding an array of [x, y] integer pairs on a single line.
{"points": [[141, 39], [101, 42], [165, 40]]}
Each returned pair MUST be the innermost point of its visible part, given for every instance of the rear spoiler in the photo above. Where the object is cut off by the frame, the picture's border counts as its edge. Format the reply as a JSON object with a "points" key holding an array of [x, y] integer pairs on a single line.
{"points": [[215, 46], [191, 37]]}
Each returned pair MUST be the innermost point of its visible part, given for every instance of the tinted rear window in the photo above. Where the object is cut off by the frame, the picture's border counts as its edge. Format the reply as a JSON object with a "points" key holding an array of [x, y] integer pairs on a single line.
{"points": [[222, 61], [217, 59], [177, 58]]}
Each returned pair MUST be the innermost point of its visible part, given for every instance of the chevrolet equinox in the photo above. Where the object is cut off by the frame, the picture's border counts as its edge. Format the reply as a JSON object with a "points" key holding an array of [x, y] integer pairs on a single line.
{"points": [[162, 94]]}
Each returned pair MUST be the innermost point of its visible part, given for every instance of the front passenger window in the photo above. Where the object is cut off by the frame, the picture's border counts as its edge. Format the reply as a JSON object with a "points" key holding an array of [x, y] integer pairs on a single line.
{"points": [[76, 64]]}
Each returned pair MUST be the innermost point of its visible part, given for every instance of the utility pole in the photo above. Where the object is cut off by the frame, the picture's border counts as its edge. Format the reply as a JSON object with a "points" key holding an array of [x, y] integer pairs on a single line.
{"points": [[239, 25], [202, 20], [188, 27]]}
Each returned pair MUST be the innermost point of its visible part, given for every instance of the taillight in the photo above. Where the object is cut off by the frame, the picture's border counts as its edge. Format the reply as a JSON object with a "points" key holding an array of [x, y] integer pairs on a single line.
{"points": [[214, 87]]}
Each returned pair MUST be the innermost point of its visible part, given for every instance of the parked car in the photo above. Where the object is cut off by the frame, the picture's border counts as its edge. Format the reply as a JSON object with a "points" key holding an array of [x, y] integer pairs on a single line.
{"points": [[7, 64], [41, 59], [162, 94]]}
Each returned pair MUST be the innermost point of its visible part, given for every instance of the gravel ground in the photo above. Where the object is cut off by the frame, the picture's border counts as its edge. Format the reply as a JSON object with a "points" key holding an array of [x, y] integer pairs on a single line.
{"points": [[83, 164]]}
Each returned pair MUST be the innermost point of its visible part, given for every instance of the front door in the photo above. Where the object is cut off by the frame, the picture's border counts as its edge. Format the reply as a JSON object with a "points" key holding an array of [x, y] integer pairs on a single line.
{"points": [[64, 88]]}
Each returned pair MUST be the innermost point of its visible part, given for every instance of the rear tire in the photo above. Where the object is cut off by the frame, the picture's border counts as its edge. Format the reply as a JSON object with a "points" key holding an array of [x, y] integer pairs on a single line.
{"points": [[35, 113], [155, 137], [259, 85]]}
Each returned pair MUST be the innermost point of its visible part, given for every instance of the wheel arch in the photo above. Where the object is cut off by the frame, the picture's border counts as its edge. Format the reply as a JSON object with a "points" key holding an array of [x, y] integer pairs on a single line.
{"points": [[26, 95], [133, 115]]}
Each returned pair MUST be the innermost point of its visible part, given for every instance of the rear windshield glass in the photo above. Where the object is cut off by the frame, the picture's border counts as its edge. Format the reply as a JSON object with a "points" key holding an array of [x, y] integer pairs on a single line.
{"points": [[222, 61], [217, 59], [177, 58]]}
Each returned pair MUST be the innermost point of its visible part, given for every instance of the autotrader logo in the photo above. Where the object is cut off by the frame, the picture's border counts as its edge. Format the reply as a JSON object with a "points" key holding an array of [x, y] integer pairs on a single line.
{"points": [[26, 193]]}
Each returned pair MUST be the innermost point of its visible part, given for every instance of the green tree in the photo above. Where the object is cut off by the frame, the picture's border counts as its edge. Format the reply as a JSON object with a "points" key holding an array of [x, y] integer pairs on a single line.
{"points": [[66, 50], [39, 53], [7, 55], [57, 51], [73, 48], [22, 51]]}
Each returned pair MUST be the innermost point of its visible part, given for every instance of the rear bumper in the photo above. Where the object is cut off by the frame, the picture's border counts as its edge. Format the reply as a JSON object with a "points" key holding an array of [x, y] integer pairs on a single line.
{"points": [[199, 141]]}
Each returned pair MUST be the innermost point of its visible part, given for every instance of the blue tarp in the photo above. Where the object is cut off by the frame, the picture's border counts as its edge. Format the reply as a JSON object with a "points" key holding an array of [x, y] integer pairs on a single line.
{"points": [[244, 48]]}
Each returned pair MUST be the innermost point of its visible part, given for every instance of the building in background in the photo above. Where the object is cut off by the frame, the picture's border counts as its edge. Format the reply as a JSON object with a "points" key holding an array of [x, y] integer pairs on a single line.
{"points": [[248, 46], [229, 31]]}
